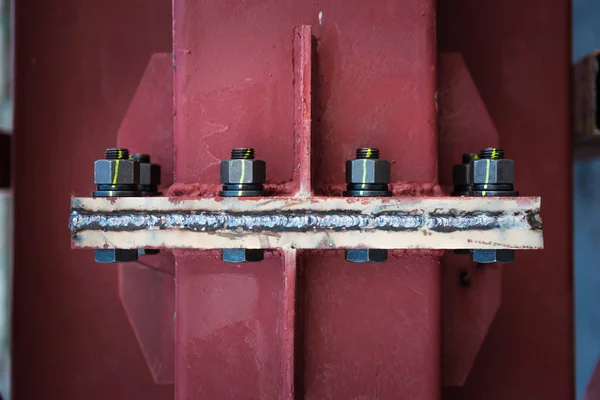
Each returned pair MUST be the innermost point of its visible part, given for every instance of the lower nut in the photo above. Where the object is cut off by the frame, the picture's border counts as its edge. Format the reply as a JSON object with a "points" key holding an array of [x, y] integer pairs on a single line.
{"points": [[242, 255], [490, 256], [116, 255], [366, 255]]}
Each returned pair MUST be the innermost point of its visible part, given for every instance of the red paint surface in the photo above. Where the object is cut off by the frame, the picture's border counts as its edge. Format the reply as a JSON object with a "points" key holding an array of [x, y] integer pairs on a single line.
{"points": [[147, 288], [78, 66], [467, 312], [77, 73], [518, 54], [371, 331], [234, 77], [228, 345], [147, 291], [373, 84]]}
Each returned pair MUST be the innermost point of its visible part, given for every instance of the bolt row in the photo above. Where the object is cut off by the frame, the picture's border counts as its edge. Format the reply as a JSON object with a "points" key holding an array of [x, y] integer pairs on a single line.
{"points": [[121, 175]]}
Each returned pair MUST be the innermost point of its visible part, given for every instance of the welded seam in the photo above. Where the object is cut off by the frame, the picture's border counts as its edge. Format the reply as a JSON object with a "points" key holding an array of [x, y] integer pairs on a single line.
{"points": [[302, 221]]}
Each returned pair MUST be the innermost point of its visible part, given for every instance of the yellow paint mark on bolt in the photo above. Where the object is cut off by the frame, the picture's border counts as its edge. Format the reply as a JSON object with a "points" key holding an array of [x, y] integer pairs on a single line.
{"points": [[116, 171], [487, 176]]}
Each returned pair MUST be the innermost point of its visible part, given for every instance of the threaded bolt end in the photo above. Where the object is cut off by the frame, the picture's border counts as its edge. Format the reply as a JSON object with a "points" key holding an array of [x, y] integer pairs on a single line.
{"points": [[366, 153], [143, 158], [242, 153], [492, 153], [117, 154], [467, 158]]}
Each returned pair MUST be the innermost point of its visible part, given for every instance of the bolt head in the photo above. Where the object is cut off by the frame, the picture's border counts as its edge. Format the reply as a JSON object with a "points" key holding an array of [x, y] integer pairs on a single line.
{"points": [[489, 256], [116, 172], [116, 255], [367, 171], [498, 171], [242, 255], [149, 174], [243, 171], [366, 255]]}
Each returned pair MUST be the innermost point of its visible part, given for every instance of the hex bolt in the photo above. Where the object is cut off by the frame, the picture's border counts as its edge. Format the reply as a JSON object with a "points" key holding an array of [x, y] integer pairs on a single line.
{"points": [[461, 175], [367, 176], [242, 176], [149, 181], [116, 176], [149, 174], [492, 175]]}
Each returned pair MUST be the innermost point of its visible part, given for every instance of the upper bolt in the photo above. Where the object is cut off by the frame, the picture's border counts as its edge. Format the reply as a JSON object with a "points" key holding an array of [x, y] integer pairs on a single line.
{"points": [[242, 153], [367, 175], [492, 153], [116, 176], [149, 174], [367, 153], [116, 154], [242, 176]]}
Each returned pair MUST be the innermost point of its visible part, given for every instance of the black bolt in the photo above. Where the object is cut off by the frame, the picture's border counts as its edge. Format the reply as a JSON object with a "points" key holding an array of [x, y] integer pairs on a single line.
{"points": [[143, 158], [367, 153], [492, 153], [242, 153], [461, 175], [242, 176], [117, 154], [492, 163], [367, 176], [112, 189]]}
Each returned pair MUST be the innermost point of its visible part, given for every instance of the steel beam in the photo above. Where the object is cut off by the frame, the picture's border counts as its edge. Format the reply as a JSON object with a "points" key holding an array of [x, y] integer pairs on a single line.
{"points": [[312, 223]]}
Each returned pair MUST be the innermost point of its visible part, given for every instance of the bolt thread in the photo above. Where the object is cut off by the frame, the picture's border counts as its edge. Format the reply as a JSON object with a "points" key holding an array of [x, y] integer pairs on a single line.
{"points": [[117, 154], [492, 153], [242, 153], [468, 157], [143, 158], [366, 153]]}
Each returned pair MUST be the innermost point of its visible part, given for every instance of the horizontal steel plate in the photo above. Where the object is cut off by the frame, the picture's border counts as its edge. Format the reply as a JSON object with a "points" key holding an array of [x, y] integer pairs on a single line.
{"points": [[307, 223]]}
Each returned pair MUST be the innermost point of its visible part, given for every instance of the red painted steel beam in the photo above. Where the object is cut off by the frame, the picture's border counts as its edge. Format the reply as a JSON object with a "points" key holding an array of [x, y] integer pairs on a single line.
{"points": [[467, 312], [78, 64], [519, 56], [373, 84]]}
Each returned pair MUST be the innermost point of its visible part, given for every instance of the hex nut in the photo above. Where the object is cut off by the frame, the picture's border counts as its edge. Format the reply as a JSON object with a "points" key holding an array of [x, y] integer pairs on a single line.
{"points": [[127, 172], [242, 255], [366, 255], [246, 171], [501, 171], [461, 175], [115, 255], [489, 256], [149, 174], [367, 171]]}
